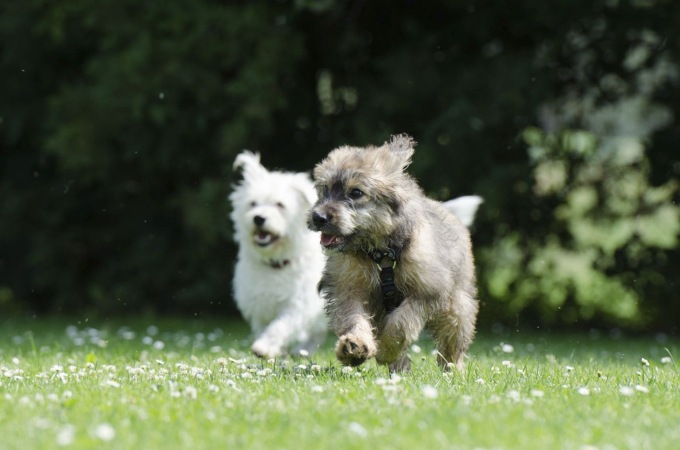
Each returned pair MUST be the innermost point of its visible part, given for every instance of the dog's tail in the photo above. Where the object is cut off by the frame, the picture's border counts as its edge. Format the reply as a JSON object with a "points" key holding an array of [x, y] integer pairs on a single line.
{"points": [[464, 208]]}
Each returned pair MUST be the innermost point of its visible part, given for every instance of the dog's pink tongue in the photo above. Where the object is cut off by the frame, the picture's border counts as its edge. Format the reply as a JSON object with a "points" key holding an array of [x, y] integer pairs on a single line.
{"points": [[327, 239]]}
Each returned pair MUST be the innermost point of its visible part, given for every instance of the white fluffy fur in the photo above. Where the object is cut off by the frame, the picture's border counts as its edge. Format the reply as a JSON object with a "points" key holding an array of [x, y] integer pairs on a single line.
{"points": [[464, 208], [281, 304]]}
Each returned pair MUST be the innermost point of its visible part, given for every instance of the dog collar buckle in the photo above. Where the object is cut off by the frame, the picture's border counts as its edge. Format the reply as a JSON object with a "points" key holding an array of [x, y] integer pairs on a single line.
{"points": [[391, 296], [378, 255]]}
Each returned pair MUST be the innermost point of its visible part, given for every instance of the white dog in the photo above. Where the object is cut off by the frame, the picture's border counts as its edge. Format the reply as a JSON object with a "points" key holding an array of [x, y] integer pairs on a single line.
{"points": [[280, 260]]}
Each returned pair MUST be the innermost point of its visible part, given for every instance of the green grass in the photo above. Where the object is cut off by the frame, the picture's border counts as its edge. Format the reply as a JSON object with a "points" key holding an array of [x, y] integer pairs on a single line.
{"points": [[193, 384]]}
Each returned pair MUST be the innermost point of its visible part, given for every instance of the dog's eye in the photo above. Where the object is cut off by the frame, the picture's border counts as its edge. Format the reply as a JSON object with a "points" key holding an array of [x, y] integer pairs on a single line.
{"points": [[253, 204], [280, 205], [355, 194]]}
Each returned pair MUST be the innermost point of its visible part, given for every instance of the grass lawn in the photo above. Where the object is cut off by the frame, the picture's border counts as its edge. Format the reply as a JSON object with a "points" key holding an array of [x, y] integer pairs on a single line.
{"points": [[166, 384]]}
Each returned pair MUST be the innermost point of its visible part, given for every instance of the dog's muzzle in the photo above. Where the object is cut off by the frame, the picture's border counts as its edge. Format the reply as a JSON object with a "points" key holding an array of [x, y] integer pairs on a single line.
{"points": [[320, 220], [330, 237], [261, 236]]}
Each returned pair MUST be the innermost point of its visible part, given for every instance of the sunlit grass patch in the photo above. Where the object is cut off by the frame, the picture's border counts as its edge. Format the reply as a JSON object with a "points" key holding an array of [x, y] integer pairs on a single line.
{"points": [[176, 384]]}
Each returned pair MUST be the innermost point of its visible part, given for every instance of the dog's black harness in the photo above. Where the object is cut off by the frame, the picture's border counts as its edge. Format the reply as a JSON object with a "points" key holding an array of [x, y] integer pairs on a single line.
{"points": [[386, 260]]}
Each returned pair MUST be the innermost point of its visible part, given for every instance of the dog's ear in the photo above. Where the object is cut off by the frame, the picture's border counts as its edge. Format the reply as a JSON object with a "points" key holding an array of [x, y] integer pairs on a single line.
{"points": [[401, 148], [249, 162], [303, 184]]}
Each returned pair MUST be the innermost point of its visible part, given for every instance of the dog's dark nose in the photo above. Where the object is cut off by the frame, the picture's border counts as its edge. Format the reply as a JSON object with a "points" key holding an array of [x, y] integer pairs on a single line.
{"points": [[259, 220], [320, 219]]}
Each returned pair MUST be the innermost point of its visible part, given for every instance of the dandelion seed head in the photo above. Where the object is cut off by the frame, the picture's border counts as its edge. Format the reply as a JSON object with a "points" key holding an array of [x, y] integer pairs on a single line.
{"points": [[430, 392], [583, 391], [317, 388], [66, 435], [303, 352], [507, 348], [128, 335], [643, 389], [666, 360], [416, 348], [644, 362], [347, 370], [190, 392], [514, 395], [357, 428], [536, 393], [626, 391], [105, 432]]}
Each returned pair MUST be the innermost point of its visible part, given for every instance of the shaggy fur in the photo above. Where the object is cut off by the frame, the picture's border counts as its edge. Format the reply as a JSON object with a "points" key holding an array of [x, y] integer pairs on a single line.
{"points": [[279, 259], [366, 202]]}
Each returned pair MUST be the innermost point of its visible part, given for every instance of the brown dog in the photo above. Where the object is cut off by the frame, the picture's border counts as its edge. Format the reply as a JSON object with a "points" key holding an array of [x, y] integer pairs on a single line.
{"points": [[398, 261]]}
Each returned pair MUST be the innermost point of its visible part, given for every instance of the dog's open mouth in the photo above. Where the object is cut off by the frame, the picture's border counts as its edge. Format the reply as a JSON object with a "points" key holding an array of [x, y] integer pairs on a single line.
{"points": [[264, 238], [331, 241]]}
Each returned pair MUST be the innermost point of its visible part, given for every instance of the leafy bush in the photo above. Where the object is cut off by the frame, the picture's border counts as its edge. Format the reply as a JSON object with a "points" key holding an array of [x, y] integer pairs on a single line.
{"points": [[119, 121], [610, 231], [604, 249]]}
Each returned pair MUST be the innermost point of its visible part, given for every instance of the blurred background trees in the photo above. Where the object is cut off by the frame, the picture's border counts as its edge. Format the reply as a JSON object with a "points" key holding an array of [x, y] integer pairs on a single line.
{"points": [[119, 122]]}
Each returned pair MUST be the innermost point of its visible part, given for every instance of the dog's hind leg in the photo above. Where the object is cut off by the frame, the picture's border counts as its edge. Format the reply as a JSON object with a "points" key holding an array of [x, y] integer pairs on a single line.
{"points": [[402, 364], [453, 331], [278, 334]]}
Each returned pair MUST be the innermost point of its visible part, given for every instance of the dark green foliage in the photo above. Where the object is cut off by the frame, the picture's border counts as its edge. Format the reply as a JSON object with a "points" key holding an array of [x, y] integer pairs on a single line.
{"points": [[119, 121]]}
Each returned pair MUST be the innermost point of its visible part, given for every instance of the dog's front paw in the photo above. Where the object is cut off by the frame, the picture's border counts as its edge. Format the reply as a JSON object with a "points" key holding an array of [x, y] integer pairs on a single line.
{"points": [[264, 350], [353, 351]]}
